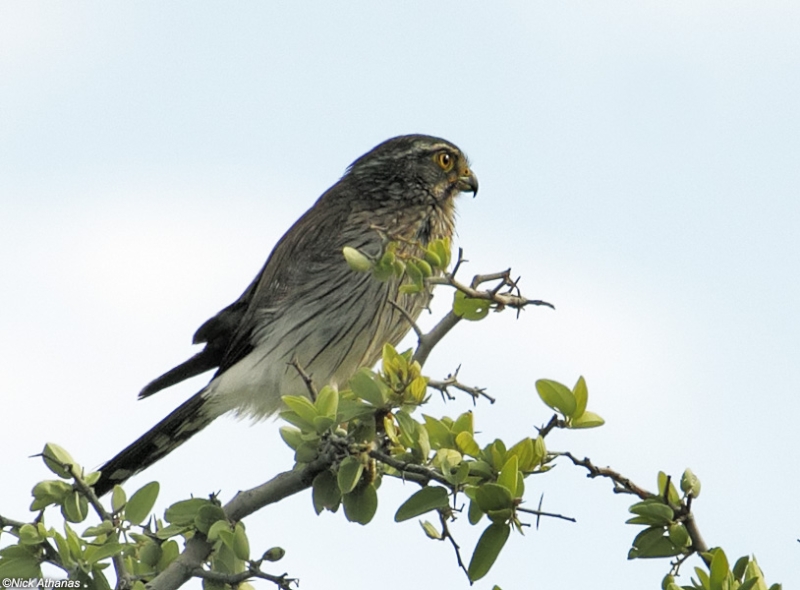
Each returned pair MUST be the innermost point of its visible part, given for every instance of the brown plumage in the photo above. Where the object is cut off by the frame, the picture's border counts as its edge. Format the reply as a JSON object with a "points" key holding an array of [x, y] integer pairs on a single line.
{"points": [[306, 303]]}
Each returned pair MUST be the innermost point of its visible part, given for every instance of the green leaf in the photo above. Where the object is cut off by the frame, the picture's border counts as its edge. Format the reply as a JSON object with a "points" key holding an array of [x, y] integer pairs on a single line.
{"points": [[141, 503], [364, 386], [207, 516], [172, 530], [360, 504], [740, 567], [427, 499], [274, 554], [464, 423], [467, 445], [150, 553], [651, 543], [296, 420], [184, 512], [169, 552], [293, 437], [302, 406], [718, 572], [349, 475], [653, 510], [75, 507], [29, 535], [491, 496], [52, 491], [430, 530], [470, 308], [95, 553], [327, 402], [351, 408], [104, 528], [524, 453], [118, 498], [679, 535], [59, 461], [481, 469], [587, 420], [486, 551], [557, 396], [509, 475], [16, 561], [439, 434], [672, 494], [475, 513], [241, 546], [690, 484], [325, 492], [323, 423], [356, 260], [581, 393]]}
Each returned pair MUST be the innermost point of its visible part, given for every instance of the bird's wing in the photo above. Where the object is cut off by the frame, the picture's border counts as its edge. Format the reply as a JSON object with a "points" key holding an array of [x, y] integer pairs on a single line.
{"points": [[309, 244]]}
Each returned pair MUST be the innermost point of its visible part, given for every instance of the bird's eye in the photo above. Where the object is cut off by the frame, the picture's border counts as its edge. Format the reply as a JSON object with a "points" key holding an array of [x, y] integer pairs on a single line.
{"points": [[445, 160]]}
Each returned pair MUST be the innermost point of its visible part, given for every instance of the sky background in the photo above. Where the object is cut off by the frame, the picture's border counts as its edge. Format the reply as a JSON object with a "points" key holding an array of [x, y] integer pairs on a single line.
{"points": [[639, 167]]}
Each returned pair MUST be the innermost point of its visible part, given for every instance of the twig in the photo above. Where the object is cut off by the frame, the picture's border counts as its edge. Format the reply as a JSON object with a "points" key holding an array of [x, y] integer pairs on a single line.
{"points": [[432, 338], [622, 485], [14, 524], [698, 544], [312, 391], [243, 504], [253, 571], [447, 535], [403, 467], [452, 381], [540, 513], [554, 423]]}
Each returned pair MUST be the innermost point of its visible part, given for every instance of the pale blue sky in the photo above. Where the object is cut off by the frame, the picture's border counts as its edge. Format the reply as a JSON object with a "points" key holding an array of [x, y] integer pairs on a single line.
{"points": [[639, 167]]}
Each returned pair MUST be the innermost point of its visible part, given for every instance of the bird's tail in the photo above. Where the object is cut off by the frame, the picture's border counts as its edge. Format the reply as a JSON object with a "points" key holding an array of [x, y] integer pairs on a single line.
{"points": [[186, 421]]}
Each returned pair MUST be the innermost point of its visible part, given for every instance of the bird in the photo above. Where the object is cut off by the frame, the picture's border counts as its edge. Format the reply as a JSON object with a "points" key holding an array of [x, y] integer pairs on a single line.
{"points": [[306, 305]]}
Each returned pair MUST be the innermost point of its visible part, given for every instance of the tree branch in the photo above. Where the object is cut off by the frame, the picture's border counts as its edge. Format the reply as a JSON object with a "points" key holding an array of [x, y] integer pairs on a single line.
{"points": [[281, 486], [403, 467], [452, 381], [622, 485]]}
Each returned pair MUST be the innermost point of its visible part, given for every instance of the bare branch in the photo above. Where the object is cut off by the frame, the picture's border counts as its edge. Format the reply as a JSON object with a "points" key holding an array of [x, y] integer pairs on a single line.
{"points": [[432, 338], [253, 571], [312, 391], [542, 513], [452, 381], [14, 524], [554, 423], [622, 485], [447, 535]]}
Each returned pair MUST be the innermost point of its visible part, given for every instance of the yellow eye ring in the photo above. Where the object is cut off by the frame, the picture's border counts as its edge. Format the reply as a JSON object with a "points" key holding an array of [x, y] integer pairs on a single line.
{"points": [[445, 161]]}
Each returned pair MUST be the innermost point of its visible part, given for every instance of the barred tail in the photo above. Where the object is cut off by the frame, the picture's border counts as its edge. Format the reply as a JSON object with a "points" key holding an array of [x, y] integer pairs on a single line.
{"points": [[183, 423]]}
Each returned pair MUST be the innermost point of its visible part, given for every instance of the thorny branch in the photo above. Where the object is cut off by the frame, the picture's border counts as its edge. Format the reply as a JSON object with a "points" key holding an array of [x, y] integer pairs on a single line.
{"points": [[622, 485], [504, 294], [452, 381], [253, 571]]}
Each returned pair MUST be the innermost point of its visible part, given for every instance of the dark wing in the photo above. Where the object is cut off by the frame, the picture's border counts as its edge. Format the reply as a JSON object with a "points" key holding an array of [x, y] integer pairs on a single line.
{"points": [[217, 333], [312, 242]]}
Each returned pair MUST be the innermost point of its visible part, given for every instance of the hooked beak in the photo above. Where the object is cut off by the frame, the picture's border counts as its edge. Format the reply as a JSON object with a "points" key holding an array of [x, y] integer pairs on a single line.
{"points": [[468, 182]]}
